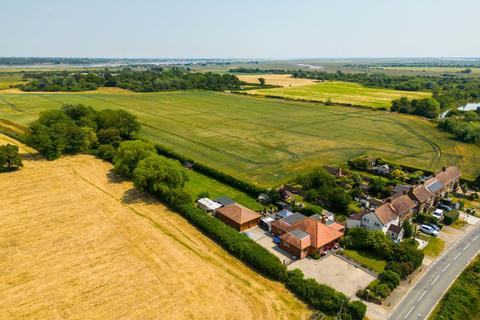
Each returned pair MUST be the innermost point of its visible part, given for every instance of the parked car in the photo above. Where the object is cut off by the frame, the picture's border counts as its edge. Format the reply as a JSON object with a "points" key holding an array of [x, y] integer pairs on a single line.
{"points": [[425, 228], [438, 213], [444, 207], [434, 226]]}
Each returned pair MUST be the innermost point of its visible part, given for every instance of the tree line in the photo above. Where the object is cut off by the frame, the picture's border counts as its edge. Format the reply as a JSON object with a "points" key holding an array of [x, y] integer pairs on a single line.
{"points": [[153, 79], [464, 125]]}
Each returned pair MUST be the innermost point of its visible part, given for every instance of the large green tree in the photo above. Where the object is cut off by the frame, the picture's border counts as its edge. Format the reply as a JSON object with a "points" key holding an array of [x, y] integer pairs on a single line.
{"points": [[129, 155], [9, 158], [161, 176]]}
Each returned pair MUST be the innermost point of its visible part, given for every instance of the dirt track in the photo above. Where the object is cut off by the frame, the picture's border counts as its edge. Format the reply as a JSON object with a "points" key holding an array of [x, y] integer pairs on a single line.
{"points": [[77, 242]]}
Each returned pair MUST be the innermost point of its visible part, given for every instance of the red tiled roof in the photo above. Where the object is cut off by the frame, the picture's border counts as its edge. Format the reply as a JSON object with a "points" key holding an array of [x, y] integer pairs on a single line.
{"points": [[238, 213], [320, 233], [386, 213], [294, 241], [448, 175], [421, 193]]}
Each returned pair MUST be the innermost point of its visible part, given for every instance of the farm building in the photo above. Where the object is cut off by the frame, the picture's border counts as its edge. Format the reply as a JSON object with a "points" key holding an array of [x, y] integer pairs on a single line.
{"points": [[208, 205], [238, 217]]}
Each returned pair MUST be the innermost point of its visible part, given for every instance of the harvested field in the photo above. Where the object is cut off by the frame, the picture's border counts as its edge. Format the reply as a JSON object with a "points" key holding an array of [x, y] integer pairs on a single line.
{"points": [[342, 92], [265, 141], [78, 243], [284, 80]]}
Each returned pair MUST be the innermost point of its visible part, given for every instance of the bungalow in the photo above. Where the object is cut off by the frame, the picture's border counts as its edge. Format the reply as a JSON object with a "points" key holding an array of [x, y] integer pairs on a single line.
{"points": [[238, 217], [310, 236]]}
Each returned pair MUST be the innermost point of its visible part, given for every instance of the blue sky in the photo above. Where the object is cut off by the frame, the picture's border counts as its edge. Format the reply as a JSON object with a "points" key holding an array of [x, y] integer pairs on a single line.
{"points": [[241, 29]]}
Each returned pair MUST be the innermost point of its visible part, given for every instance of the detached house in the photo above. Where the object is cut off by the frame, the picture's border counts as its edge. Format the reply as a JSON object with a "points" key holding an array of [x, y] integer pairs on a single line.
{"points": [[303, 236]]}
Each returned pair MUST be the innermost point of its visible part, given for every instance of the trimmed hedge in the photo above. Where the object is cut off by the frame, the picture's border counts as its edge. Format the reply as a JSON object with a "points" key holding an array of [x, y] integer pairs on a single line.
{"points": [[235, 242], [450, 217], [246, 187]]}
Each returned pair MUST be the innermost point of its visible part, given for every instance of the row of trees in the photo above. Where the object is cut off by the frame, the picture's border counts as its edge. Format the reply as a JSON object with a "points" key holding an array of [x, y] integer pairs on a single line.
{"points": [[427, 107], [80, 129], [154, 79]]}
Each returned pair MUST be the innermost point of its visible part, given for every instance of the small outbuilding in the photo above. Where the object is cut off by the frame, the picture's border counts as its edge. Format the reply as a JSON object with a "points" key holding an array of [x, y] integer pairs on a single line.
{"points": [[208, 205]]}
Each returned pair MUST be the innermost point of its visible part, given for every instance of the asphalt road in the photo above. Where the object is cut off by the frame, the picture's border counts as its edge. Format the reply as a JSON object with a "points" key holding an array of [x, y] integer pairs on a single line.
{"points": [[425, 294]]}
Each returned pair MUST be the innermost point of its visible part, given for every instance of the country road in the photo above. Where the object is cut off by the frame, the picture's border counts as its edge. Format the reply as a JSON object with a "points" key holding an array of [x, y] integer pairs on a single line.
{"points": [[421, 300]]}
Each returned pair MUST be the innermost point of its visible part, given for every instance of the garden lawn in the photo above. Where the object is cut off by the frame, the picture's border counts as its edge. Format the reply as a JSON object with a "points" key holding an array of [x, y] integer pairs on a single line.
{"points": [[434, 247], [367, 259], [200, 183]]}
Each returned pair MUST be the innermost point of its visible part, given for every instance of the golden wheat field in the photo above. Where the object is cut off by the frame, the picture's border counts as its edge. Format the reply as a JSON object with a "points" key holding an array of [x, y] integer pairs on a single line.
{"points": [[79, 243], [284, 80]]}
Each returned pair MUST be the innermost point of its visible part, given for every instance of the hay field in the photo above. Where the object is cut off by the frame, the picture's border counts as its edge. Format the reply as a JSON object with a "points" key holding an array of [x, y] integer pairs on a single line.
{"points": [[342, 92], [265, 141], [78, 243], [284, 80]]}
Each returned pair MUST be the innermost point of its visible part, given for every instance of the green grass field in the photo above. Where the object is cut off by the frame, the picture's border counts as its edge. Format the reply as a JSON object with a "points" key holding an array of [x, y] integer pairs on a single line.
{"points": [[367, 259], [199, 183], [7, 80], [341, 92], [264, 141]]}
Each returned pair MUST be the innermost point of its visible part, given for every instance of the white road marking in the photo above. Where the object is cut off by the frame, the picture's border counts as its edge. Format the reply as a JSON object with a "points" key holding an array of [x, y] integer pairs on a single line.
{"points": [[435, 280], [424, 292], [409, 312], [465, 248], [456, 256], [476, 237], [448, 265]]}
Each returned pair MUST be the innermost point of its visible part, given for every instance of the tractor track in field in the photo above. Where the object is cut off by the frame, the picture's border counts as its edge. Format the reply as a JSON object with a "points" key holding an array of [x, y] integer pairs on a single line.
{"points": [[292, 155], [13, 106]]}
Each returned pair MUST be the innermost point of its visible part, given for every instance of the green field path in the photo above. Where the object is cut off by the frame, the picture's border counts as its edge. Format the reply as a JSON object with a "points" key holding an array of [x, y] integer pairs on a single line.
{"points": [[263, 140], [342, 92]]}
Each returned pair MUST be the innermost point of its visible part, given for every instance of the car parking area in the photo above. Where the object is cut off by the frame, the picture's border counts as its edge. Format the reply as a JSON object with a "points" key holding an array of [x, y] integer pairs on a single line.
{"points": [[264, 239], [334, 272]]}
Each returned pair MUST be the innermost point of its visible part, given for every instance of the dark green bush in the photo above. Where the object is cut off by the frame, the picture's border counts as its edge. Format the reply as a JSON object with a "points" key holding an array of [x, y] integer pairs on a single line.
{"points": [[450, 217]]}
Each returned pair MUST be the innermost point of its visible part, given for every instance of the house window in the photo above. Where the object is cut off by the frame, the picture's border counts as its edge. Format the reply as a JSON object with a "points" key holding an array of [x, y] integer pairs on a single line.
{"points": [[377, 224]]}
